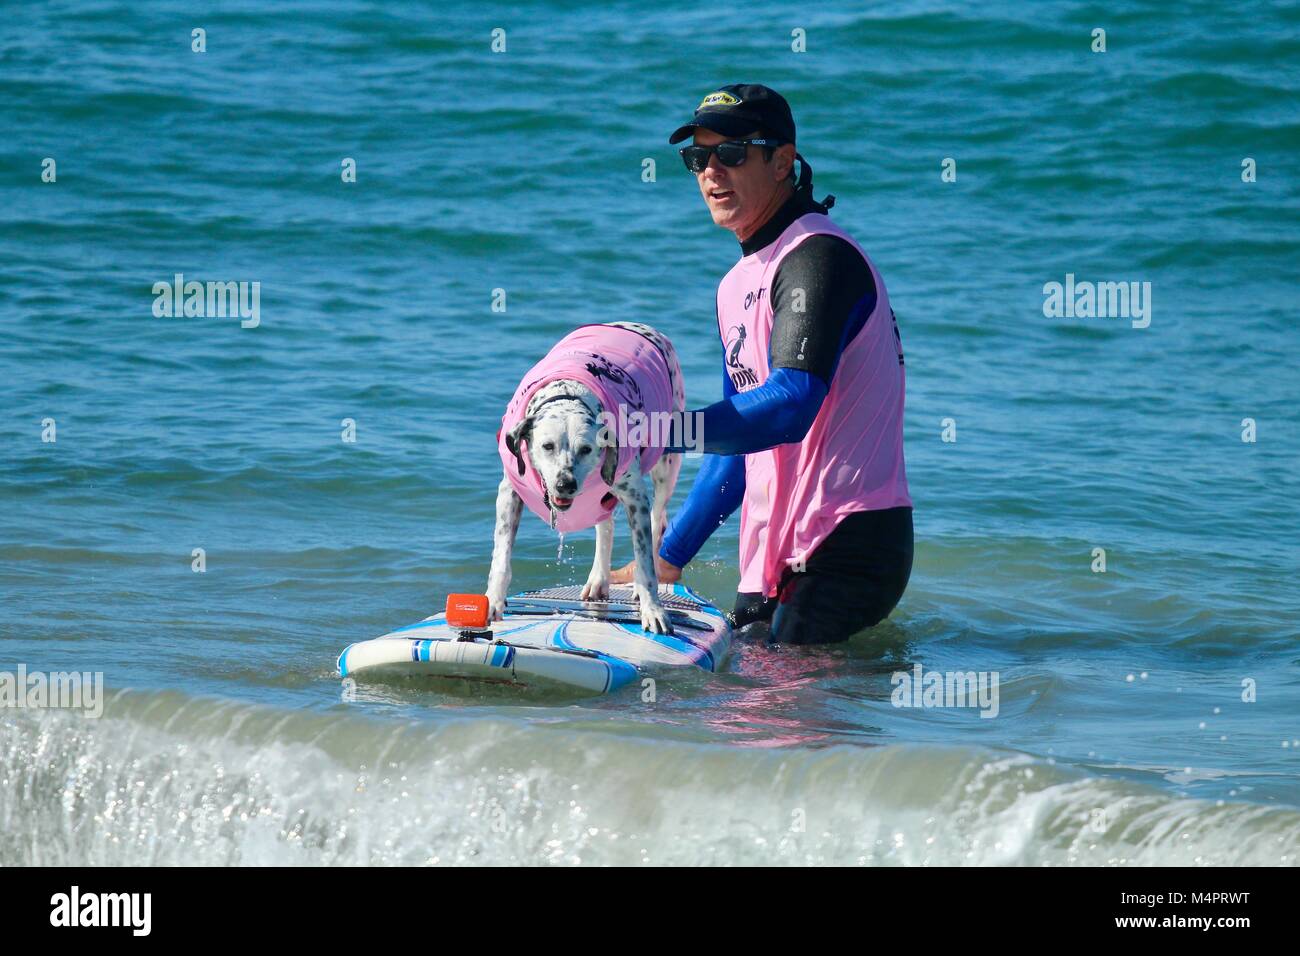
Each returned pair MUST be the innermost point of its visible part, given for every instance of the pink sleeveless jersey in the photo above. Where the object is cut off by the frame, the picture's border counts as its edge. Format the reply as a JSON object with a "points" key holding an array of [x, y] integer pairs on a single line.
{"points": [[852, 457], [624, 369]]}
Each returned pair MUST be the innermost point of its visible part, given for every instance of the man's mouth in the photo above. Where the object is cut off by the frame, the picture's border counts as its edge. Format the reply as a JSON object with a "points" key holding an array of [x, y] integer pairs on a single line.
{"points": [[721, 195]]}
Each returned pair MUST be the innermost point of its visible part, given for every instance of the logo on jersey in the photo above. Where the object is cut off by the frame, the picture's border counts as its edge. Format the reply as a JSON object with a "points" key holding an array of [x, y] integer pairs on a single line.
{"points": [[742, 376], [621, 383]]}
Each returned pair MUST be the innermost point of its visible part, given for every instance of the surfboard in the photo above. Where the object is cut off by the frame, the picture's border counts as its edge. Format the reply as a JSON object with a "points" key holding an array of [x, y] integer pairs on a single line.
{"points": [[552, 637]]}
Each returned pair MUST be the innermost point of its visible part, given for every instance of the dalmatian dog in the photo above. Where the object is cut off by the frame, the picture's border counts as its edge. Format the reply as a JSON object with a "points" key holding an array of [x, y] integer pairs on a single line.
{"points": [[559, 433]]}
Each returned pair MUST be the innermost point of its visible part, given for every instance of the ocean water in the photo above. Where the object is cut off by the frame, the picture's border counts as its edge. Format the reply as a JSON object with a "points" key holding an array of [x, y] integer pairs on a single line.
{"points": [[1149, 714]]}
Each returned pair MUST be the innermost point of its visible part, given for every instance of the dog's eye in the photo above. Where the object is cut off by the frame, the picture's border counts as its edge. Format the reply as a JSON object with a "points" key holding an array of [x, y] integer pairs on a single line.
{"points": [[584, 450], [548, 446]]}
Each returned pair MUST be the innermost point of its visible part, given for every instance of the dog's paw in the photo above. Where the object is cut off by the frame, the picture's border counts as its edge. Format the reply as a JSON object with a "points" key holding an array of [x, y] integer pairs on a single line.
{"points": [[654, 617], [496, 607], [596, 588]]}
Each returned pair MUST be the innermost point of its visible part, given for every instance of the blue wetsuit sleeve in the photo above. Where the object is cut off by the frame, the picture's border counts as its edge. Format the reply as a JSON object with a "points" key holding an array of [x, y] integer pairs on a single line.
{"points": [[718, 490], [778, 412], [716, 494]]}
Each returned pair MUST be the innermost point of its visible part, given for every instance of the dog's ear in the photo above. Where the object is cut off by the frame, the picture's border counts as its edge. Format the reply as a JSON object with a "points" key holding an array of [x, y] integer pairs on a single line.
{"points": [[517, 436], [609, 465]]}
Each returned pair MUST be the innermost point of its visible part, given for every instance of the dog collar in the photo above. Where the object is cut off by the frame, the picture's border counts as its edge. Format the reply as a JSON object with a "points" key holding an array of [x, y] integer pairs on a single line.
{"points": [[589, 401]]}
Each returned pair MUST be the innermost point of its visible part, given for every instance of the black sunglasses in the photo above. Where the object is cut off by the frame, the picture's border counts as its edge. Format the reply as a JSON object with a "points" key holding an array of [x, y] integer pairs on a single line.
{"points": [[730, 153]]}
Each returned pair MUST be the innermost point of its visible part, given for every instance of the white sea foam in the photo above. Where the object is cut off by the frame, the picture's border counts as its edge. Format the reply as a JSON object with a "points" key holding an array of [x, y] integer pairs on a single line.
{"points": [[164, 779]]}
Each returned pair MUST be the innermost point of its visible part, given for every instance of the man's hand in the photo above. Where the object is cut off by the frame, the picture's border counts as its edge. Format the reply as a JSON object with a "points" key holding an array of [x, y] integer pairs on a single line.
{"points": [[668, 573]]}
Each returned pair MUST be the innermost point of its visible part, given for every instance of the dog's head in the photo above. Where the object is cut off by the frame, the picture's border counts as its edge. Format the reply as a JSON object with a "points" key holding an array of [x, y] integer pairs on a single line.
{"points": [[564, 444]]}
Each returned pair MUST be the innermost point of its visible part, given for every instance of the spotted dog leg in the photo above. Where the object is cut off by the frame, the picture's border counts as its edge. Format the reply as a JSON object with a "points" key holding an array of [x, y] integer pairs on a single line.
{"points": [[509, 508], [664, 477], [630, 490], [597, 586]]}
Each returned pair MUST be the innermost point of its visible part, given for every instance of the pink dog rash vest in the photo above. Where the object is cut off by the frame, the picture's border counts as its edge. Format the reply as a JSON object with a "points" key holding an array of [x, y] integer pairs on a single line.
{"points": [[852, 457], [624, 369]]}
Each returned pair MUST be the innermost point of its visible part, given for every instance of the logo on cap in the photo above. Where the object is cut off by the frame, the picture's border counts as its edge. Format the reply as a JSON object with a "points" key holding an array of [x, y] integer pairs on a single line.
{"points": [[720, 98]]}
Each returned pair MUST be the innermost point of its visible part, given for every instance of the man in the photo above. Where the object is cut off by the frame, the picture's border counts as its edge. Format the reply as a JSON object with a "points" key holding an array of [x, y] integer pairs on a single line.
{"points": [[809, 434]]}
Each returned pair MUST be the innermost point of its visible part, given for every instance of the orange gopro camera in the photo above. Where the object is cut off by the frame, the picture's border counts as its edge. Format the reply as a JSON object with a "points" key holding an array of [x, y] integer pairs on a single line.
{"points": [[467, 610]]}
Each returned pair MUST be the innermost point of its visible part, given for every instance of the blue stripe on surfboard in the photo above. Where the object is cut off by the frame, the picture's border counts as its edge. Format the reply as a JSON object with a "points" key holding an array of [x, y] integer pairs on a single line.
{"points": [[502, 654], [618, 672], [693, 652], [621, 672], [561, 638]]}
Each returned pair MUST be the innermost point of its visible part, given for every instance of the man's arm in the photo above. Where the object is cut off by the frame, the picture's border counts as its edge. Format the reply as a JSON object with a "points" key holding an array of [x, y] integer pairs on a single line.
{"points": [[717, 492]]}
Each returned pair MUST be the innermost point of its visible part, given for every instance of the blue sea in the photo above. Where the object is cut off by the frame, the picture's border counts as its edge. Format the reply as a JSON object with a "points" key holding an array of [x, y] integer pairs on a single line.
{"points": [[1149, 712]]}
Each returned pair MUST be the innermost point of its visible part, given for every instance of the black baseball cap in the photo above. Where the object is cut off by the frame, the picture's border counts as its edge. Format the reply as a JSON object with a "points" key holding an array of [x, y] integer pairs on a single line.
{"points": [[740, 109]]}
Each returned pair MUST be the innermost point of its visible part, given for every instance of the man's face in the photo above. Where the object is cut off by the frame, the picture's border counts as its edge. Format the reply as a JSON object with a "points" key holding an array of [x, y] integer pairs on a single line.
{"points": [[739, 197]]}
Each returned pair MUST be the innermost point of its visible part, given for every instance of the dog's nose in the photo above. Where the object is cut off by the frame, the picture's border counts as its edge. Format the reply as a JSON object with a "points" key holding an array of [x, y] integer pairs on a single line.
{"points": [[566, 486]]}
